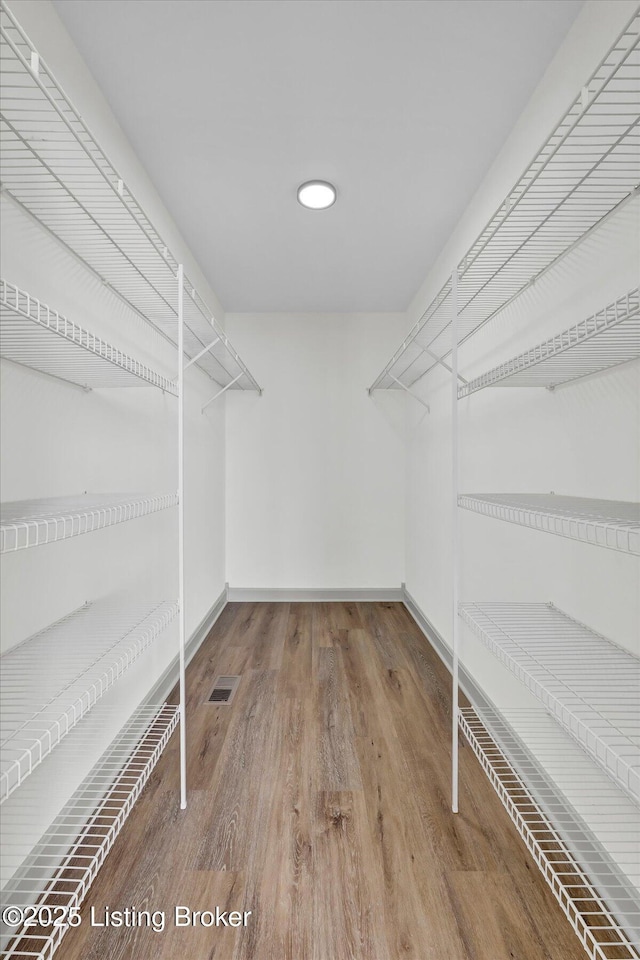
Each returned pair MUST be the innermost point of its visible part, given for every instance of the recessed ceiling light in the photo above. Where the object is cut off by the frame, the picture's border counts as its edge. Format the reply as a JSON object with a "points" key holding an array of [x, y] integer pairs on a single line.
{"points": [[316, 194]]}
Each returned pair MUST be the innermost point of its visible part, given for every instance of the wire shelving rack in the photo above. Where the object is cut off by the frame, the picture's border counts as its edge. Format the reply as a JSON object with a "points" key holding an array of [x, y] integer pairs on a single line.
{"points": [[584, 173], [55, 170], [60, 869], [42, 699], [604, 523], [34, 335], [586, 169], [590, 684], [583, 869], [607, 338], [32, 523]]}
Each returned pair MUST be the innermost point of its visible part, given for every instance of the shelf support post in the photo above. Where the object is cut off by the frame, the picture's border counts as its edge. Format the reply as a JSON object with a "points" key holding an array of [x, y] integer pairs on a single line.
{"points": [[183, 725], [455, 538]]}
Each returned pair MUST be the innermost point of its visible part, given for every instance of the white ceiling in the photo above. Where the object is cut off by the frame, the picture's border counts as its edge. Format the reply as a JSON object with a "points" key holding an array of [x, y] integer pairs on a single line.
{"points": [[402, 104]]}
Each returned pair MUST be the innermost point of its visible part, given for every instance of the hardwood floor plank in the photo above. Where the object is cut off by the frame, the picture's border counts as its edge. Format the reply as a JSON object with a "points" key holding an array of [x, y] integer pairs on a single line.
{"points": [[360, 702], [283, 891], [347, 897], [426, 666], [329, 618], [246, 619], [468, 840], [417, 909], [338, 767], [428, 778], [267, 637], [295, 678], [243, 778], [489, 918], [203, 891], [381, 627]]}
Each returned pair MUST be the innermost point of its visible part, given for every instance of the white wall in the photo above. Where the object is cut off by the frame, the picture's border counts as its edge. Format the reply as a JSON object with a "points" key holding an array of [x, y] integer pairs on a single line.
{"points": [[58, 440], [580, 439], [315, 467]]}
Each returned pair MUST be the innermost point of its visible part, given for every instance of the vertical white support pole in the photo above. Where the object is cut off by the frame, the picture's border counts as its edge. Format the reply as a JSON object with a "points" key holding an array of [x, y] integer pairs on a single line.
{"points": [[455, 539], [183, 722]]}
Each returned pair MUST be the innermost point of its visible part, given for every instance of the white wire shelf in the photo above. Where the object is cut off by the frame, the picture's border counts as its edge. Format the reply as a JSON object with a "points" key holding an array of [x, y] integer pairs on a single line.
{"points": [[588, 167], [55, 170], [605, 523], [62, 866], [32, 523], [580, 864], [607, 338], [591, 685], [33, 334], [51, 680]]}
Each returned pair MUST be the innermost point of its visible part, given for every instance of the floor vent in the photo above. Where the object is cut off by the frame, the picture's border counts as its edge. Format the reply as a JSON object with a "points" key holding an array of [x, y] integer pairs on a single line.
{"points": [[224, 690]]}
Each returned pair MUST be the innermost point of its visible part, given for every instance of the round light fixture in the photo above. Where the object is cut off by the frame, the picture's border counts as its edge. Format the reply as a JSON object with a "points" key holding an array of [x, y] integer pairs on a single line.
{"points": [[316, 194]]}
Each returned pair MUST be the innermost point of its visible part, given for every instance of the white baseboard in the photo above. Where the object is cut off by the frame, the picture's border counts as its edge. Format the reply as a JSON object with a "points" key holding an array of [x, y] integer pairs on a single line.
{"points": [[163, 687], [313, 594], [169, 678], [466, 682]]}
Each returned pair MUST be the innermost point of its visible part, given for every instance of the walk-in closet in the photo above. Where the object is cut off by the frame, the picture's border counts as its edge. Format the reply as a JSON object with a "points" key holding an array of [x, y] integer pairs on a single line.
{"points": [[320, 444]]}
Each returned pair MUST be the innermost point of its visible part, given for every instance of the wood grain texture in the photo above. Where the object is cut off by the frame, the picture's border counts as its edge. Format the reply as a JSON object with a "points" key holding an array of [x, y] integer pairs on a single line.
{"points": [[319, 801], [338, 767], [348, 894], [285, 894], [487, 920]]}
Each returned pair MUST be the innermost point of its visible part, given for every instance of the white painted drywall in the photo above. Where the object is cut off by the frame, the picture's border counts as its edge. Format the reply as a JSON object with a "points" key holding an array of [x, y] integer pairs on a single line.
{"points": [[59, 440], [581, 439], [315, 467]]}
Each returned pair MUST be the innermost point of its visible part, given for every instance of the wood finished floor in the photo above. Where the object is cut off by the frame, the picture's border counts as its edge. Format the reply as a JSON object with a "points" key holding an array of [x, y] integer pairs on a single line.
{"points": [[319, 800]]}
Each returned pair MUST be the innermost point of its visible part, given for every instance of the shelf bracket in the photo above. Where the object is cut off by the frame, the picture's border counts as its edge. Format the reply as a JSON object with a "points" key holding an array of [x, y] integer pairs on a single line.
{"points": [[220, 392], [443, 364], [202, 353], [411, 393]]}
